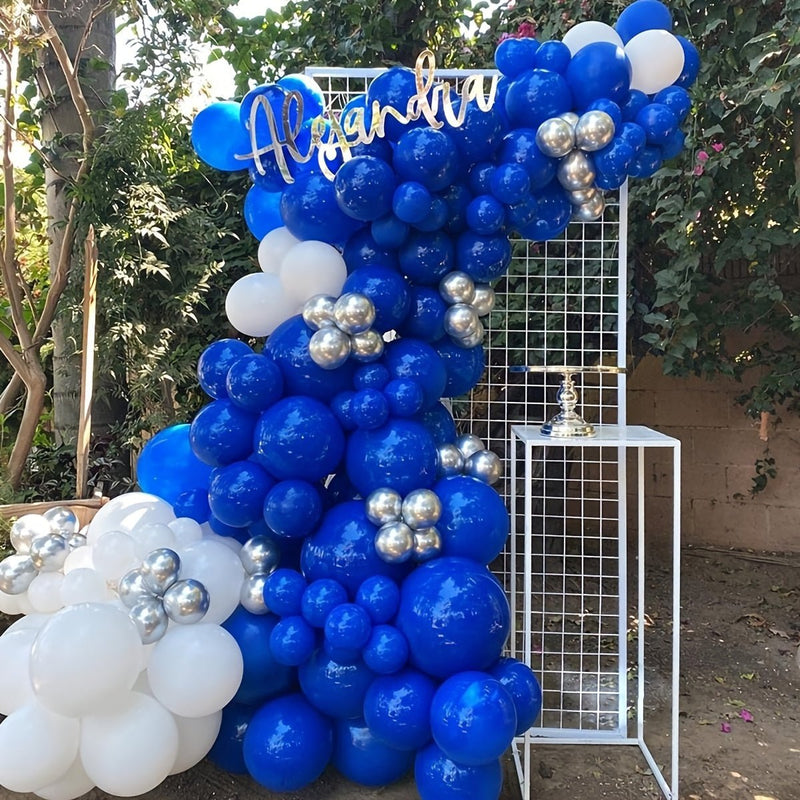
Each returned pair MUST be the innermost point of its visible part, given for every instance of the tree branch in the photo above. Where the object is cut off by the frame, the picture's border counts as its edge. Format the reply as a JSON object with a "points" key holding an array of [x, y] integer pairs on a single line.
{"points": [[88, 30]]}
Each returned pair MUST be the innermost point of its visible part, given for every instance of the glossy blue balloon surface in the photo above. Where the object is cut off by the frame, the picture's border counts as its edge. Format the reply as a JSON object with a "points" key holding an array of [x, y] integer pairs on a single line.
{"points": [[691, 63], [288, 744], [658, 122], [536, 95], [485, 214], [388, 290], [483, 258], [552, 55], [479, 135], [348, 626], [320, 598], [254, 382], [227, 750], [439, 778], [553, 214], [221, 433], [404, 396], [283, 592], [463, 365], [427, 156], [364, 188], [386, 651], [218, 137], [509, 184], [309, 90], [520, 682], [379, 596], [600, 69], [215, 362], [519, 147], [389, 230], [515, 55], [393, 88], [439, 422], [643, 15], [370, 409], [236, 493], [292, 641], [416, 360], [362, 758], [362, 250], [292, 508], [411, 202], [262, 211], [335, 689], [425, 258], [425, 319]]}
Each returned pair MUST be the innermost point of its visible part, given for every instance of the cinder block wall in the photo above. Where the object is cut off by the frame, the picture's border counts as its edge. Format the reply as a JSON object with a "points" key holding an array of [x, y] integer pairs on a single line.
{"points": [[720, 447]]}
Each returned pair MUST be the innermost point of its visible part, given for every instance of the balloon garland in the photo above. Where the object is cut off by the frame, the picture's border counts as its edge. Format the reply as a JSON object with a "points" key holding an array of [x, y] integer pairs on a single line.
{"points": [[303, 580]]}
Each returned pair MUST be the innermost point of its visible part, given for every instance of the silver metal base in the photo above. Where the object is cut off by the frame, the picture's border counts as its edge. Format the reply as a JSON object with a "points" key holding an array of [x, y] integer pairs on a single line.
{"points": [[560, 427]]}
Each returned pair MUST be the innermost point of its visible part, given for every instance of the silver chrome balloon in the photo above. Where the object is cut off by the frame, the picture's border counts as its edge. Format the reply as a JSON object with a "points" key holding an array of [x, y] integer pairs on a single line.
{"points": [[48, 553], [384, 505], [421, 509], [62, 521], [427, 544], [75, 541], [555, 137], [457, 287], [590, 210], [485, 466], [366, 346], [27, 528], [160, 569], [570, 117], [581, 196], [461, 320], [483, 302], [329, 347], [318, 311], [16, 573], [595, 129], [150, 619], [131, 588], [186, 601], [252, 594], [472, 339], [469, 443], [394, 542], [449, 460], [354, 313], [260, 554], [575, 171]]}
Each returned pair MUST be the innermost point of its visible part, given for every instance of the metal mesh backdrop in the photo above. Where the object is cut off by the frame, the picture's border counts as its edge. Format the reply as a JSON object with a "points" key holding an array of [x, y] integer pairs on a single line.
{"points": [[562, 303]]}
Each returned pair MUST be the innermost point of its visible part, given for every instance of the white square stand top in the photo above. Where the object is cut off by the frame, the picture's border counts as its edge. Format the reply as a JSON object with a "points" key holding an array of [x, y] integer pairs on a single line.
{"points": [[606, 436]]}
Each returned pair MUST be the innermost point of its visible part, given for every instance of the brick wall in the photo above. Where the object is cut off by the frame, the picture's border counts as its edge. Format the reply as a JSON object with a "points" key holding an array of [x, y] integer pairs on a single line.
{"points": [[720, 446]]}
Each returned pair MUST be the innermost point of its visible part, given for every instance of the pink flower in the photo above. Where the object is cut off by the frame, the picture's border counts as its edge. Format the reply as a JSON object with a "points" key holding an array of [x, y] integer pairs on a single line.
{"points": [[702, 156], [725, 727], [717, 147], [746, 715], [698, 170], [526, 30]]}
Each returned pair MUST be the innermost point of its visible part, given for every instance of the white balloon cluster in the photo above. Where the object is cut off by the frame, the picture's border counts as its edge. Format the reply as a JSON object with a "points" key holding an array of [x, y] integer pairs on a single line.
{"points": [[468, 456], [260, 557], [87, 703], [407, 524], [468, 303], [342, 328], [292, 271], [569, 138]]}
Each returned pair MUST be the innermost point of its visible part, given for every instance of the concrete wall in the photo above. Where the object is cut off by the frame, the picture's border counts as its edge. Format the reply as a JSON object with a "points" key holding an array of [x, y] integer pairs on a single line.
{"points": [[720, 447]]}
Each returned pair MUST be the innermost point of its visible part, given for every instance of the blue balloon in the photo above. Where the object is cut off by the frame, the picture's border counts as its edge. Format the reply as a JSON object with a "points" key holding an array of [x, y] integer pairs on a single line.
{"points": [[464, 367], [386, 651], [397, 709], [193, 504], [439, 778], [362, 250], [240, 534], [370, 409], [523, 213], [691, 63], [479, 135], [480, 176], [360, 757], [364, 188], [553, 216], [254, 383], [455, 616], [288, 348], [418, 361], [519, 147], [288, 744], [428, 156], [425, 319], [612, 161], [343, 547], [456, 198], [675, 98], [658, 123], [404, 397], [262, 211], [221, 433], [483, 258], [283, 592], [436, 219], [515, 55], [393, 88], [389, 231], [342, 407], [674, 145], [474, 522], [643, 15], [226, 752], [215, 362], [646, 163], [552, 55], [509, 183], [520, 682], [610, 108], [347, 629], [355, 115], [292, 641], [218, 137], [371, 376], [168, 468], [439, 423], [411, 202], [319, 599], [263, 676], [309, 90], [379, 596], [600, 69], [473, 718], [275, 98], [237, 491], [425, 258], [310, 211], [537, 95], [387, 289], [292, 508], [636, 101], [633, 135], [335, 689], [298, 437]]}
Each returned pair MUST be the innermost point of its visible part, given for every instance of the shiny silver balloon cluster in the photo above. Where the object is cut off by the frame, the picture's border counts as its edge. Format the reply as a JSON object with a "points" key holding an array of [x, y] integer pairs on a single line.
{"points": [[468, 456], [260, 557], [407, 525], [569, 138], [468, 303], [42, 543], [342, 328], [154, 594]]}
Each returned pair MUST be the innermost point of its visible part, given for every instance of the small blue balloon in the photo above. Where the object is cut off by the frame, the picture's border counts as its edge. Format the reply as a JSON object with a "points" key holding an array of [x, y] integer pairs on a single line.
{"points": [[218, 137], [439, 422], [436, 219], [464, 367], [483, 258], [510, 184], [389, 231], [254, 383], [320, 598], [674, 145], [237, 491], [262, 211], [614, 159], [646, 163], [370, 409], [292, 508], [636, 101], [523, 213], [221, 433], [404, 397], [554, 56], [658, 123], [226, 752], [515, 55], [537, 95], [292, 641], [337, 690], [425, 319], [519, 147], [283, 592], [425, 258], [456, 198], [347, 630], [411, 202], [364, 188], [362, 250], [418, 361], [393, 88], [633, 135], [553, 215], [288, 744], [480, 176], [386, 651], [362, 758], [609, 107], [428, 156], [479, 135], [691, 63], [439, 778], [520, 682], [371, 376], [677, 99], [600, 69], [215, 362], [387, 289], [643, 15], [192, 503], [379, 596]]}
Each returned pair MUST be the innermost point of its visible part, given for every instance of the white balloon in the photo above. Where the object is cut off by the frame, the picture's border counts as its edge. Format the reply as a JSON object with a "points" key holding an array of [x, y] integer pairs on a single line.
{"points": [[186, 531], [45, 592], [16, 689], [151, 536], [33, 621], [195, 670], [84, 585], [79, 558], [311, 268], [577, 37], [126, 512], [256, 304], [85, 658], [130, 751], [227, 541], [9, 604], [220, 570], [37, 747], [114, 554], [273, 247], [195, 737], [657, 60], [74, 784]]}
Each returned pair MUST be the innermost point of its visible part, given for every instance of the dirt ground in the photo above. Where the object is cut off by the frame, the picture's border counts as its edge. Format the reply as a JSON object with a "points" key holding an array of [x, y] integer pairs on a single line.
{"points": [[740, 703]]}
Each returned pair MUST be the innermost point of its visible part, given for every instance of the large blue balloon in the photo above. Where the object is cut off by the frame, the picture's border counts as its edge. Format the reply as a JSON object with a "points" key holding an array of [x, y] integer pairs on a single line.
{"points": [[464, 366], [643, 15], [237, 491], [393, 88], [226, 752], [254, 383], [263, 676], [168, 468], [335, 689], [537, 95], [425, 319], [417, 361], [455, 616], [439, 778], [600, 69], [439, 422], [400, 454], [288, 744], [215, 362], [691, 63], [298, 437], [309, 90], [509, 183], [388, 290], [658, 122], [262, 211], [428, 156], [515, 54], [520, 682], [218, 137], [426, 257], [478, 137], [292, 508], [554, 212], [364, 188], [221, 433], [519, 147], [483, 258], [362, 758]]}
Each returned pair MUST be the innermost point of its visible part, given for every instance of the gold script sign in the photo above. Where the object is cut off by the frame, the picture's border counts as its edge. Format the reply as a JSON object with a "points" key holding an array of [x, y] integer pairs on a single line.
{"points": [[333, 137]]}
